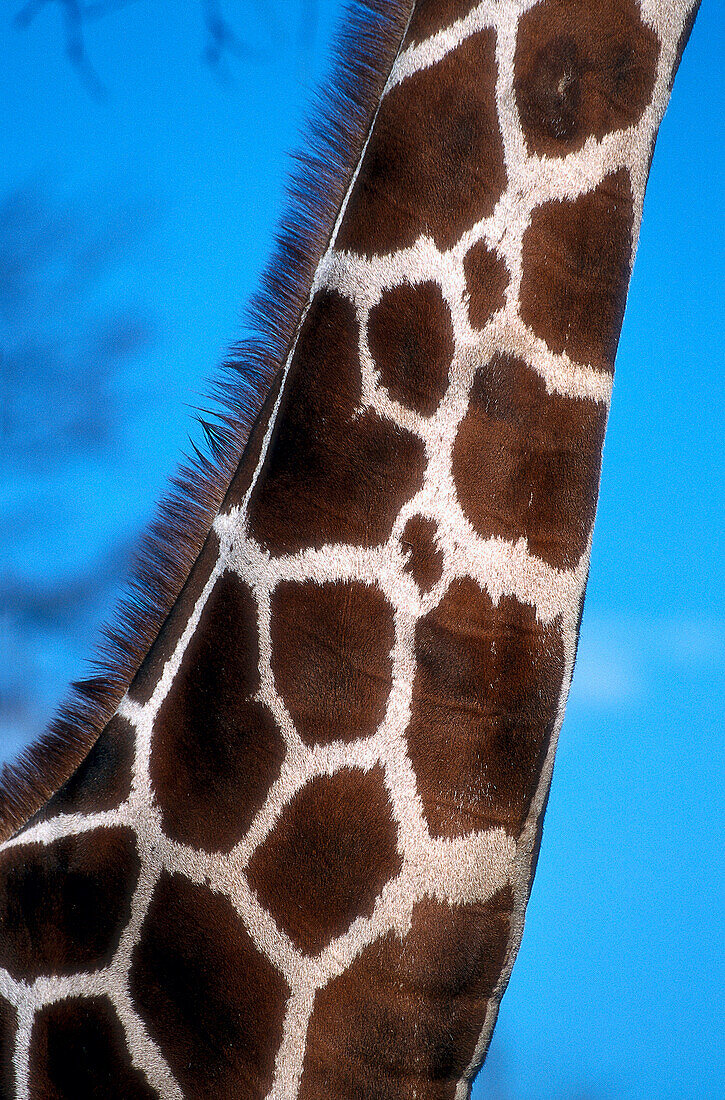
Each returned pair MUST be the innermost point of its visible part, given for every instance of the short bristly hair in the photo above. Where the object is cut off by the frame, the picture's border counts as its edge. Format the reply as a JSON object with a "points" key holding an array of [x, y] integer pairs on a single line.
{"points": [[332, 143]]}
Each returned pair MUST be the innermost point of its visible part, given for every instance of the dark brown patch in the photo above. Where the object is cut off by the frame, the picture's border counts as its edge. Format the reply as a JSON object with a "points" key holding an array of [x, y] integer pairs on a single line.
{"points": [[209, 998], [331, 660], [434, 164], [484, 706], [331, 474], [486, 281], [328, 857], [431, 16], [216, 751], [78, 1051], [411, 339], [526, 463], [576, 257], [403, 1021], [425, 563], [583, 68], [103, 780], [64, 905], [149, 674], [8, 1032]]}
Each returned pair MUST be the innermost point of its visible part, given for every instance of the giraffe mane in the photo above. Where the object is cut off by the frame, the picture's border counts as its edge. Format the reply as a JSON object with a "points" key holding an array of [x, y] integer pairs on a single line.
{"points": [[340, 117]]}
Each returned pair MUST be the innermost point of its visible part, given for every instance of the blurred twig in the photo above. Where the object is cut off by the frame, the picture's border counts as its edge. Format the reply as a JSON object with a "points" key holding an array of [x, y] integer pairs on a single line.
{"points": [[221, 37], [60, 350], [75, 16], [222, 40], [66, 339]]}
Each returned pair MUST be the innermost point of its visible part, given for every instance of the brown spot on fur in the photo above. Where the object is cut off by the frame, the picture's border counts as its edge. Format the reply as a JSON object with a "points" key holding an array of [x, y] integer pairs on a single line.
{"points": [[526, 463], [576, 257], [331, 660], [331, 474], [486, 281], [583, 69], [78, 1051], [403, 1021], [64, 905], [216, 751], [149, 674], [484, 705], [411, 339], [434, 164], [103, 780], [8, 1032], [431, 16], [208, 997], [425, 563], [329, 856]]}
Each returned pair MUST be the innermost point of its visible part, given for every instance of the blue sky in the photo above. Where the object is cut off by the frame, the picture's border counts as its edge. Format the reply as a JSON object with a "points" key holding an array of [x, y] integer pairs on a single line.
{"points": [[618, 990]]}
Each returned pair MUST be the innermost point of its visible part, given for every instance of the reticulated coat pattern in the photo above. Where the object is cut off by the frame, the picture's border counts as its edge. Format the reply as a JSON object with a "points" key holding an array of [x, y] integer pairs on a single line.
{"points": [[308, 833]]}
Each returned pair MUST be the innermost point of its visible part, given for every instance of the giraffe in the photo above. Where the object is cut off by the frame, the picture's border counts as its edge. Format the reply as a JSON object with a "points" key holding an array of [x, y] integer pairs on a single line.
{"points": [[288, 852]]}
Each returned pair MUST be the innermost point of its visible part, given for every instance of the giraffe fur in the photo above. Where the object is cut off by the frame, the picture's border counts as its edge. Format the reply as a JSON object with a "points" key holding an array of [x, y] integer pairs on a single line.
{"points": [[374, 647], [329, 152]]}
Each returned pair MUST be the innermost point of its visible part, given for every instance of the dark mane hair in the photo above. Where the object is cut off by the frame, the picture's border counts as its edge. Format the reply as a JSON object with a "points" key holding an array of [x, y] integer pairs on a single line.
{"points": [[341, 117]]}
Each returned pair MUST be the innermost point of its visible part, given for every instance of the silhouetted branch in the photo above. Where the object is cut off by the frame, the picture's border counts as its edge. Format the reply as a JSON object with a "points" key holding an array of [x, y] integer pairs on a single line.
{"points": [[220, 35], [64, 345], [75, 16], [222, 40], [57, 373]]}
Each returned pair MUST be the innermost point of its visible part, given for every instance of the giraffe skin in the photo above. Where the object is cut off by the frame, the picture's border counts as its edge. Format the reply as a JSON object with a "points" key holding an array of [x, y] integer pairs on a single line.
{"points": [[296, 862]]}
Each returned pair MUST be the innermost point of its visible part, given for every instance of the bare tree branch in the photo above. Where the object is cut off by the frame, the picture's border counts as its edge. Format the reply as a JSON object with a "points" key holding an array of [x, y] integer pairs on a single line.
{"points": [[27, 14], [221, 37], [75, 15], [222, 41], [65, 345]]}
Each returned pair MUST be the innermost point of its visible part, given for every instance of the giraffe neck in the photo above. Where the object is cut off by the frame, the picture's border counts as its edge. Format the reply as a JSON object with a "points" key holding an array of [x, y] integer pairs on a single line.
{"points": [[297, 860]]}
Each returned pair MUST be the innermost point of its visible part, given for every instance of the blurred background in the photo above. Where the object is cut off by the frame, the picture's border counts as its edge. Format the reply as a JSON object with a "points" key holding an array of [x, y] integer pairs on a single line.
{"points": [[141, 180]]}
